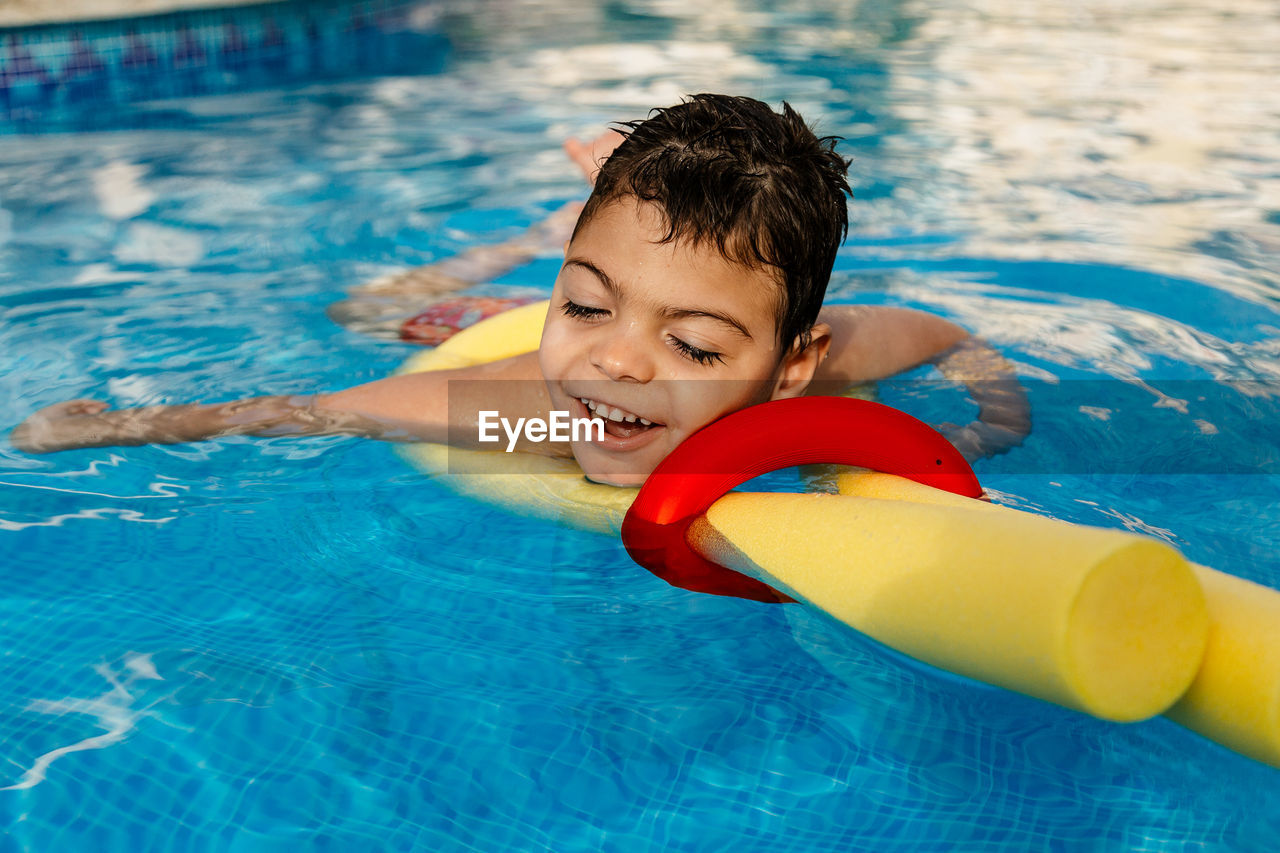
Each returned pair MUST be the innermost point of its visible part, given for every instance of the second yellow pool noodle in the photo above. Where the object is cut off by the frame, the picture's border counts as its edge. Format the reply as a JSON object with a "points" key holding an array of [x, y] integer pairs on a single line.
{"points": [[1103, 621], [1235, 696]]}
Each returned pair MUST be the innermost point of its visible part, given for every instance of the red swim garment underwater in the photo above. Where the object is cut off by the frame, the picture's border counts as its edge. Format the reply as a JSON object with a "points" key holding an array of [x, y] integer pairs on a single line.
{"points": [[764, 438]]}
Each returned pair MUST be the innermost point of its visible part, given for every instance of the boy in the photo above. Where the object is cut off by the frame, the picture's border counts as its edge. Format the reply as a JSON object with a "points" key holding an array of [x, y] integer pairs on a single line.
{"points": [[692, 286]]}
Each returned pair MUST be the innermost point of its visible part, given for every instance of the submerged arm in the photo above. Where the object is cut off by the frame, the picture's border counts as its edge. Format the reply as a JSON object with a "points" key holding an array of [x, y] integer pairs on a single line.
{"points": [[381, 306], [1004, 412]]}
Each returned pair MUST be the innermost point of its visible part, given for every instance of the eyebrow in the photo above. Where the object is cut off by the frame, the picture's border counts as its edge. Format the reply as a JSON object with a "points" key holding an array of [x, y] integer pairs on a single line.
{"points": [[670, 313]]}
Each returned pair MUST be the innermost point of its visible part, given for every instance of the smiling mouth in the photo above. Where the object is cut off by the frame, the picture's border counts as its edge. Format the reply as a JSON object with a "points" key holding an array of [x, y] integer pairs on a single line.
{"points": [[618, 423]]}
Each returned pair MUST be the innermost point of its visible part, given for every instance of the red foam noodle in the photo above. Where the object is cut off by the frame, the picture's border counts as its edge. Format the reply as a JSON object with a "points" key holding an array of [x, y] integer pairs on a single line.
{"points": [[764, 438]]}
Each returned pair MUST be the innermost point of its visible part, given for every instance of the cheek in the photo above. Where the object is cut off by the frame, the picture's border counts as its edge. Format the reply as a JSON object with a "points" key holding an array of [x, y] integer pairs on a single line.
{"points": [[554, 350], [698, 403]]}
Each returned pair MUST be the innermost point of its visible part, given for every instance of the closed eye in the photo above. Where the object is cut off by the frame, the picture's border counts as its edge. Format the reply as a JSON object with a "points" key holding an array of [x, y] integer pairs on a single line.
{"points": [[573, 309], [701, 356]]}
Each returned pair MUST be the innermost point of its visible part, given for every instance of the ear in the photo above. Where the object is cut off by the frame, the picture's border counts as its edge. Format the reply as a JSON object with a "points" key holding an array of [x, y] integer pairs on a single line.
{"points": [[799, 365]]}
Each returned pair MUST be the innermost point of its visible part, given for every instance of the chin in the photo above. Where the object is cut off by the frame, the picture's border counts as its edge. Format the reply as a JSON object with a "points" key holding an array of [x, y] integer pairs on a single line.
{"points": [[629, 481], [610, 472]]}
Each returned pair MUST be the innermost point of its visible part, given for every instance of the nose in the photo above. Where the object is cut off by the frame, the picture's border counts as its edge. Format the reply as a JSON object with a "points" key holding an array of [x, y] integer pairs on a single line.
{"points": [[620, 354]]}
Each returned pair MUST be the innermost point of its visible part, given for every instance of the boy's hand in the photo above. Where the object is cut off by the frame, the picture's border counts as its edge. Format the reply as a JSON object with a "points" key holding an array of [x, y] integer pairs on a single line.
{"points": [[1004, 412], [591, 155], [978, 440], [61, 426]]}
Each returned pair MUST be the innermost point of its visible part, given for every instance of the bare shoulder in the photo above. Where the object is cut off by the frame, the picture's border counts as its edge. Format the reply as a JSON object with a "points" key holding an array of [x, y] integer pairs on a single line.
{"points": [[875, 341]]}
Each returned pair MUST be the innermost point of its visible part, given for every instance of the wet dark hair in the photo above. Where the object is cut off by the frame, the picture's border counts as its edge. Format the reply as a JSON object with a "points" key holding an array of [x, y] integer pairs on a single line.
{"points": [[758, 185]]}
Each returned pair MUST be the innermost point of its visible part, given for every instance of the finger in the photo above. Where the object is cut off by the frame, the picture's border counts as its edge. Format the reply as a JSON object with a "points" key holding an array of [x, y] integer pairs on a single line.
{"points": [[581, 157], [604, 144], [590, 156]]}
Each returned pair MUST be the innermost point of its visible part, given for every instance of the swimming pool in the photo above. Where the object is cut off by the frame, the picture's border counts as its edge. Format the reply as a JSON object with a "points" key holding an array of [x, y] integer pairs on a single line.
{"points": [[259, 644]]}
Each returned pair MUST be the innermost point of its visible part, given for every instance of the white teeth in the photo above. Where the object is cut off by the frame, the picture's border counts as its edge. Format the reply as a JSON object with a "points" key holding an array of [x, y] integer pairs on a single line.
{"points": [[613, 414]]}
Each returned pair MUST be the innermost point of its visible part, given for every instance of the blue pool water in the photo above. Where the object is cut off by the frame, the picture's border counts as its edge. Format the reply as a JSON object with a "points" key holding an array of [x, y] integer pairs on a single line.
{"points": [[264, 644]]}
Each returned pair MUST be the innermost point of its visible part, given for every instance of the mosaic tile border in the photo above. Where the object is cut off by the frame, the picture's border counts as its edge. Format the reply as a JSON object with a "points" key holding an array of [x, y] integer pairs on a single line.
{"points": [[22, 13], [52, 72]]}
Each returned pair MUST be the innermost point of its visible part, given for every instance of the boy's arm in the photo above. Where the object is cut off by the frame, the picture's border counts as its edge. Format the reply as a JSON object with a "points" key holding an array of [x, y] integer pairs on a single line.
{"points": [[379, 307], [92, 423], [444, 406], [871, 342], [874, 342], [413, 407]]}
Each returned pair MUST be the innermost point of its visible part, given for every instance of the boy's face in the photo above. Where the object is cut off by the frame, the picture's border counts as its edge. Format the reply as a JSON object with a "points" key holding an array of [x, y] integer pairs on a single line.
{"points": [[672, 334]]}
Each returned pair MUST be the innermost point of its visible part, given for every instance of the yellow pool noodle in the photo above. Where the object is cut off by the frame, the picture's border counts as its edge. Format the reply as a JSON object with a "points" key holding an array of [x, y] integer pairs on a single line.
{"points": [[513, 332], [1235, 697], [1107, 622]]}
